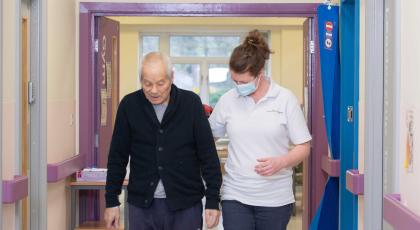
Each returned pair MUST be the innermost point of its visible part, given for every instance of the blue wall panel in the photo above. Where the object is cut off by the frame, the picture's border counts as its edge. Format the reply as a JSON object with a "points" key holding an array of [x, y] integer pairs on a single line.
{"points": [[349, 40]]}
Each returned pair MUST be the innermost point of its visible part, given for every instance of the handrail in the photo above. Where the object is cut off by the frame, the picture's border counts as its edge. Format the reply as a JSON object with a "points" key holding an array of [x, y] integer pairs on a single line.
{"points": [[61, 170], [15, 190], [398, 215], [330, 166], [355, 182]]}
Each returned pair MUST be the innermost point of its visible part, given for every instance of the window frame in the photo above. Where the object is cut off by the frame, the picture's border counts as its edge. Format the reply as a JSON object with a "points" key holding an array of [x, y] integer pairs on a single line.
{"points": [[204, 62]]}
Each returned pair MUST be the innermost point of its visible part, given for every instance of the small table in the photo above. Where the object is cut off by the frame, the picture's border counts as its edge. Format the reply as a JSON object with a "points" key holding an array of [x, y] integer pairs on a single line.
{"points": [[76, 186]]}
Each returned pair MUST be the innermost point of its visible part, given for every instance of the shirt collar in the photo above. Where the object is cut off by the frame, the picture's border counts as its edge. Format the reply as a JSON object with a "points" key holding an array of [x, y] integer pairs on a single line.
{"points": [[273, 90]]}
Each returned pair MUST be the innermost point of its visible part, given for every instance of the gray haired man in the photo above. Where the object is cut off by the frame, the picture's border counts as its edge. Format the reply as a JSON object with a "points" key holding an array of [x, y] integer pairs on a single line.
{"points": [[166, 135]]}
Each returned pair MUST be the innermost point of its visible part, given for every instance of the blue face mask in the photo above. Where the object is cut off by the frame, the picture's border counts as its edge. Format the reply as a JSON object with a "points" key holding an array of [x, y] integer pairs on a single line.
{"points": [[247, 89]]}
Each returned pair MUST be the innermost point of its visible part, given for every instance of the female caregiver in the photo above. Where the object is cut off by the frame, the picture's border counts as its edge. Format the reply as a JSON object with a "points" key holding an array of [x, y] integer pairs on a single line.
{"points": [[261, 120]]}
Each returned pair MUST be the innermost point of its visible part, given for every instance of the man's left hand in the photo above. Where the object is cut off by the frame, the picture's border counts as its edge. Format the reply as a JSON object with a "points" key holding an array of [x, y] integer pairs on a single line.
{"points": [[212, 217]]}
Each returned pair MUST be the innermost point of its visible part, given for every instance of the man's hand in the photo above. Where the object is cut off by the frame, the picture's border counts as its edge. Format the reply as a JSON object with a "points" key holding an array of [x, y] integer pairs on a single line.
{"points": [[212, 217], [112, 217], [269, 166]]}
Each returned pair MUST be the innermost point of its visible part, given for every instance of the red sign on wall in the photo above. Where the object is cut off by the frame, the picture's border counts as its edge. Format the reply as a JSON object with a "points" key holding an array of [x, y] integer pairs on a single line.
{"points": [[329, 26]]}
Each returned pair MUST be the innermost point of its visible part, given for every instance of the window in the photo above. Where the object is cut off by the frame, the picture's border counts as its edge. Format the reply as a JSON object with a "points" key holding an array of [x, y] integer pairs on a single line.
{"points": [[200, 59], [150, 44], [202, 46], [187, 76], [219, 82]]}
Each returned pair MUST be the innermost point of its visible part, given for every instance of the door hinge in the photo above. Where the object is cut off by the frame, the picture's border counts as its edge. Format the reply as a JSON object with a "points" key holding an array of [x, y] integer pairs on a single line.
{"points": [[96, 45], [31, 96], [312, 47], [350, 114], [97, 140]]}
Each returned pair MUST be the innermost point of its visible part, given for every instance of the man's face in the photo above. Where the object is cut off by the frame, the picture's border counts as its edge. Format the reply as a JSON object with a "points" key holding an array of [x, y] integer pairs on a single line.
{"points": [[155, 83]]}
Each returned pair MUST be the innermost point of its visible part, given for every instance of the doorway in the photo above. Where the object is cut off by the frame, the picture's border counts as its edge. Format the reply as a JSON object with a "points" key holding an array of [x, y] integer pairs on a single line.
{"points": [[25, 116], [87, 136]]}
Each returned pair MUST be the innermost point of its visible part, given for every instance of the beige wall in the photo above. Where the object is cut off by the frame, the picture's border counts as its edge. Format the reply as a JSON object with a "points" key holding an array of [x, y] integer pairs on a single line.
{"points": [[9, 75], [9, 103], [129, 64], [286, 42], [291, 61], [61, 74]]}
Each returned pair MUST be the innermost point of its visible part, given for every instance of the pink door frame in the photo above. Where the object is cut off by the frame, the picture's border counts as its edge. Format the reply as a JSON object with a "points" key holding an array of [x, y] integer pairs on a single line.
{"points": [[86, 70]]}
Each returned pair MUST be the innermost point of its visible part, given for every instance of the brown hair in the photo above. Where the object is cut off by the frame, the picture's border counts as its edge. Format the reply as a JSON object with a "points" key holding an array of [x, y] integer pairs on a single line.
{"points": [[250, 55]]}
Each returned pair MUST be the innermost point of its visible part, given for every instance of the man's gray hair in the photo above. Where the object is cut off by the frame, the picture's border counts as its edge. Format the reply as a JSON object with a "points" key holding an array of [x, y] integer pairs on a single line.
{"points": [[152, 56]]}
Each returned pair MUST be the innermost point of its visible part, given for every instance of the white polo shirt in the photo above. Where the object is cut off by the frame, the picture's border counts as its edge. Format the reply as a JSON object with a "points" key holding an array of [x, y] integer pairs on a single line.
{"points": [[256, 130]]}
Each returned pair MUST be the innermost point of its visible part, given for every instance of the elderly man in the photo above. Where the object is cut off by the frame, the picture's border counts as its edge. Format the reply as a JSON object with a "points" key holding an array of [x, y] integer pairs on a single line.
{"points": [[165, 133]]}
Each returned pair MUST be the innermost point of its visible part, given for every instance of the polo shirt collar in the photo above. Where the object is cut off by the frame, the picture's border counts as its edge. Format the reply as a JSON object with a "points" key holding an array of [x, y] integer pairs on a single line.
{"points": [[273, 90]]}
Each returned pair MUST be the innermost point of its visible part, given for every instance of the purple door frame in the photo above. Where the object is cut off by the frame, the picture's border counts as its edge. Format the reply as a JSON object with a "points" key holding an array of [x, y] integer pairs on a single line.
{"points": [[106, 30], [86, 70]]}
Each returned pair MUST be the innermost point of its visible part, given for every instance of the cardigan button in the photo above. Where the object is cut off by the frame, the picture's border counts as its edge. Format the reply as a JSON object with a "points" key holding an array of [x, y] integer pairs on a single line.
{"points": [[152, 183], [160, 131], [160, 149], [160, 168]]}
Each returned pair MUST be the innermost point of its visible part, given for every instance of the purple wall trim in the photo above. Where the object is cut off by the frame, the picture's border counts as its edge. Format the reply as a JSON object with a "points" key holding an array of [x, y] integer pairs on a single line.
{"points": [[200, 9], [330, 166], [398, 215], [15, 190], [62, 170], [355, 182], [86, 89], [319, 134]]}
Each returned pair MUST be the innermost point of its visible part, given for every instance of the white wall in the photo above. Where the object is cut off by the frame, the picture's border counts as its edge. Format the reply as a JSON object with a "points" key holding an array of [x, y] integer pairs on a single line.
{"points": [[410, 101], [361, 136]]}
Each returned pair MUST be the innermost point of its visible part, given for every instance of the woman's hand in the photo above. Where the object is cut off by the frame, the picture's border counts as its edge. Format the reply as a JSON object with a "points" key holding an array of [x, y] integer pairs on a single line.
{"points": [[270, 165]]}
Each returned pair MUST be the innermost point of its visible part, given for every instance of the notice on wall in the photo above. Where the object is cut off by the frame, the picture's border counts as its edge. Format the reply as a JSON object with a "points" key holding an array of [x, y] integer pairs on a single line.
{"points": [[409, 145], [104, 107]]}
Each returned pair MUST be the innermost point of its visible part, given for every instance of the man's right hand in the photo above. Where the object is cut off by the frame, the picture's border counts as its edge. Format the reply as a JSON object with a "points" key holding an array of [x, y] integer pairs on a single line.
{"points": [[112, 217]]}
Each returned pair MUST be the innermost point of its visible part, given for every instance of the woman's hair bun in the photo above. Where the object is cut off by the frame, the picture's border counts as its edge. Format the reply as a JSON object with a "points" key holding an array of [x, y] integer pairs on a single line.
{"points": [[254, 37], [257, 40], [251, 55]]}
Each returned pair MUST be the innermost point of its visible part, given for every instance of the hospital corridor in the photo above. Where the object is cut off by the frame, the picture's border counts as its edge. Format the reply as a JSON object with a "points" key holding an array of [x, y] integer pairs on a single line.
{"points": [[209, 114]]}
